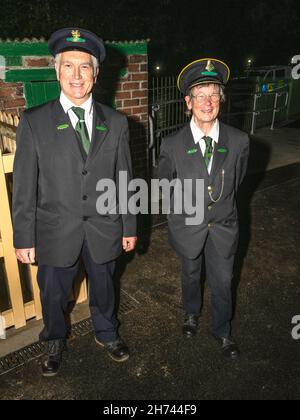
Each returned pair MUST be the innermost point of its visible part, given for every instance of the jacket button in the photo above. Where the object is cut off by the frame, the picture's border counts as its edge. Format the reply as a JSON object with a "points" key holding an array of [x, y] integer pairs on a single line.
{"points": [[85, 197], [84, 172], [210, 225], [209, 189], [85, 218], [210, 208]]}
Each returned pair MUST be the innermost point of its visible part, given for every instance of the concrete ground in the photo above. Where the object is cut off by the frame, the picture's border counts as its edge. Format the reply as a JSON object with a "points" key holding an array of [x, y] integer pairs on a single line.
{"points": [[163, 365]]}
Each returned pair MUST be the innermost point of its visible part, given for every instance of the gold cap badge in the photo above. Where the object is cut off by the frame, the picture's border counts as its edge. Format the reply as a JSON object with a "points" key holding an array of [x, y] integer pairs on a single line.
{"points": [[210, 67], [76, 37]]}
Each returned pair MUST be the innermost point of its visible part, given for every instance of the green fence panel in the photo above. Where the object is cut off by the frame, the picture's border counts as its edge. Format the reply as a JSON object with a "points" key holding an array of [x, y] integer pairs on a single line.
{"points": [[38, 93]]}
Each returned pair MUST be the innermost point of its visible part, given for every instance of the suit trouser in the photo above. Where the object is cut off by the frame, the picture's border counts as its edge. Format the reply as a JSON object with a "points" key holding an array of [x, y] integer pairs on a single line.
{"points": [[219, 274], [55, 287]]}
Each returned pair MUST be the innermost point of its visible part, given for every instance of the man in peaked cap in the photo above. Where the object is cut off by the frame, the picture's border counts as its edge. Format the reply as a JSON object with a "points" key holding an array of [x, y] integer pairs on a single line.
{"points": [[218, 154], [63, 149]]}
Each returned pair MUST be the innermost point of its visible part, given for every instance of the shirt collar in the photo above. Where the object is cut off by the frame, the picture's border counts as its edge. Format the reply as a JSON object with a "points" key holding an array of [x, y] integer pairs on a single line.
{"points": [[198, 133], [67, 104]]}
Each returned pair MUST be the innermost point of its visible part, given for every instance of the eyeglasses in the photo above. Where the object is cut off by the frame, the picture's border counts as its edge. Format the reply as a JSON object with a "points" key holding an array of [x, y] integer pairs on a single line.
{"points": [[201, 97]]}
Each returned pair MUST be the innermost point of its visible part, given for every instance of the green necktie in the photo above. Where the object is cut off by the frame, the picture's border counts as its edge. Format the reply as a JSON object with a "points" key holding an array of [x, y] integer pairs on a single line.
{"points": [[209, 150], [81, 129]]}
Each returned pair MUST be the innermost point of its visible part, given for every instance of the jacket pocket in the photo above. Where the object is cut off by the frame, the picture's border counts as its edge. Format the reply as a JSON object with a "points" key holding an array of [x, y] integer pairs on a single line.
{"points": [[47, 217]]}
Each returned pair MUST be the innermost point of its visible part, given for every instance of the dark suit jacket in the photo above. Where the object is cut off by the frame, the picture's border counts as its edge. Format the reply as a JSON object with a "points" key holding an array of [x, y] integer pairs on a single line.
{"points": [[54, 187], [180, 159]]}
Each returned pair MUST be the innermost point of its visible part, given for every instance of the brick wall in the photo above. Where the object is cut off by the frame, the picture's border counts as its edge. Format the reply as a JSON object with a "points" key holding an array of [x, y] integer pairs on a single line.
{"points": [[125, 71], [11, 97], [132, 100]]}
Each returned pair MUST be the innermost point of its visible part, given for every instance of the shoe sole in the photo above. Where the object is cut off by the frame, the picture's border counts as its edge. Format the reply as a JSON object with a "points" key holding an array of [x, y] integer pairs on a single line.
{"points": [[49, 375], [115, 359]]}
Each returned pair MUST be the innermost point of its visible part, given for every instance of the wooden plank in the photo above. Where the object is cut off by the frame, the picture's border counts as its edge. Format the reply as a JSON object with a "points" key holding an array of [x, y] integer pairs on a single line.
{"points": [[8, 163], [30, 75], [9, 318], [8, 130], [1, 249], [82, 292], [11, 264], [29, 310]]}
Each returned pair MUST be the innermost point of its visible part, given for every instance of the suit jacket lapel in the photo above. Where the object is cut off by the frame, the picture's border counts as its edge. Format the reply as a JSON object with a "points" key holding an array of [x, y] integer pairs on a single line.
{"points": [[220, 153], [64, 131], [195, 158], [100, 131]]}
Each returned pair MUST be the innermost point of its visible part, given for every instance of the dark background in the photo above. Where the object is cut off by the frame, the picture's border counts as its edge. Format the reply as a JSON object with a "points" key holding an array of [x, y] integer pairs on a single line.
{"points": [[266, 31]]}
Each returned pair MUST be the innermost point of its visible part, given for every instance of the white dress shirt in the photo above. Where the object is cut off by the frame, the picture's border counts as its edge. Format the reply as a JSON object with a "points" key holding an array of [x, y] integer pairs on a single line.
{"points": [[88, 115], [198, 138]]}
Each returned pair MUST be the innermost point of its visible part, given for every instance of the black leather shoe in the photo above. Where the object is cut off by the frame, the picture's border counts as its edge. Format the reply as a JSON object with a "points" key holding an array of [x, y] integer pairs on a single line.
{"points": [[229, 348], [190, 325], [51, 366], [117, 350]]}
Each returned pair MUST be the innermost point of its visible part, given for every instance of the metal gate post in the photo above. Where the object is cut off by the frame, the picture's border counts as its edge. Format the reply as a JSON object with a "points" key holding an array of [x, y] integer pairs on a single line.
{"points": [[254, 113], [275, 110]]}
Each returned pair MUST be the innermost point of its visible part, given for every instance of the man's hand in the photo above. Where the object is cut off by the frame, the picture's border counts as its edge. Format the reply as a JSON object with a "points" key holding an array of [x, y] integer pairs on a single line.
{"points": [[129, 244], [26, 256]]}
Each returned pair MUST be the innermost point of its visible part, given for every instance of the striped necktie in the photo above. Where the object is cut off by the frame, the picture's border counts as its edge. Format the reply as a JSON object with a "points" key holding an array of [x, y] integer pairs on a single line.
{"points": [[81, 129]]}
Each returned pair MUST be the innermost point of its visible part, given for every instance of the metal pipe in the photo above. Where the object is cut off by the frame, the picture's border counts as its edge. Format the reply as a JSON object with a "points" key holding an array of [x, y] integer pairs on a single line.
{"points": [[151, 132], [254, 113], [275, 110]]}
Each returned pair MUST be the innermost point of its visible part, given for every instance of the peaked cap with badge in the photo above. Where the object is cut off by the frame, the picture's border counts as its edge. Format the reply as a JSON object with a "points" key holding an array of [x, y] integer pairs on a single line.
{"points": [[205, 70], [70, 39]]}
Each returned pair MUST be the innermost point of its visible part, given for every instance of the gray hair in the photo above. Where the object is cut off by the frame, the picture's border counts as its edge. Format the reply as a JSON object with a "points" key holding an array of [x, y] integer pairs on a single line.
{"points": [[94, 60]]}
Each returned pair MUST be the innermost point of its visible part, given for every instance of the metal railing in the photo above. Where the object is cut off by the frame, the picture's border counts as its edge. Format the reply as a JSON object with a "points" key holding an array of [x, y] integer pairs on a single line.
{"points": [[247, 110]]}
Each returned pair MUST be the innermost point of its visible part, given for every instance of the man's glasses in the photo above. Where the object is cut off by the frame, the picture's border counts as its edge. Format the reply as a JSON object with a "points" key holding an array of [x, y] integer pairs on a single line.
{"points": [[201, 97]]}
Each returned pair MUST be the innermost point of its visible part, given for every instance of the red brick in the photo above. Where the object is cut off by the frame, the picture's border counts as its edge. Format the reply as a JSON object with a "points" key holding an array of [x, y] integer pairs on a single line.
{"points": [[144, 85], [19, 92], [144, 101], [123, 95], [144, 68], [140, 110], [132, 102], [134, 68], [138, 59], [130, 86], [140, 94], [36, 62], [119, 104], [139, 77], [144, 117], [14, 103], [127, 111], [6, 92]]}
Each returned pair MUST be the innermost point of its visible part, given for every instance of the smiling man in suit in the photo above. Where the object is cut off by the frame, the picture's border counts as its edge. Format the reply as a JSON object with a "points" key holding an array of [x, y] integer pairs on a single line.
{"points": [[209, 150], [63, 149]]}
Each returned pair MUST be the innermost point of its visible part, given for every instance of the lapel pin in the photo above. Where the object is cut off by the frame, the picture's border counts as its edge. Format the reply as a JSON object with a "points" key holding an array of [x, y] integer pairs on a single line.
{"points": [[63, 126], [101, 128], [192, 151], [222, 150]]}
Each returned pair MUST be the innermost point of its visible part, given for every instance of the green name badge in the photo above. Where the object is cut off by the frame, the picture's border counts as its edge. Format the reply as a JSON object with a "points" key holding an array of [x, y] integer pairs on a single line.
{"points": [[101, 128], [63, 126], [222, 150], [192, 151]]}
